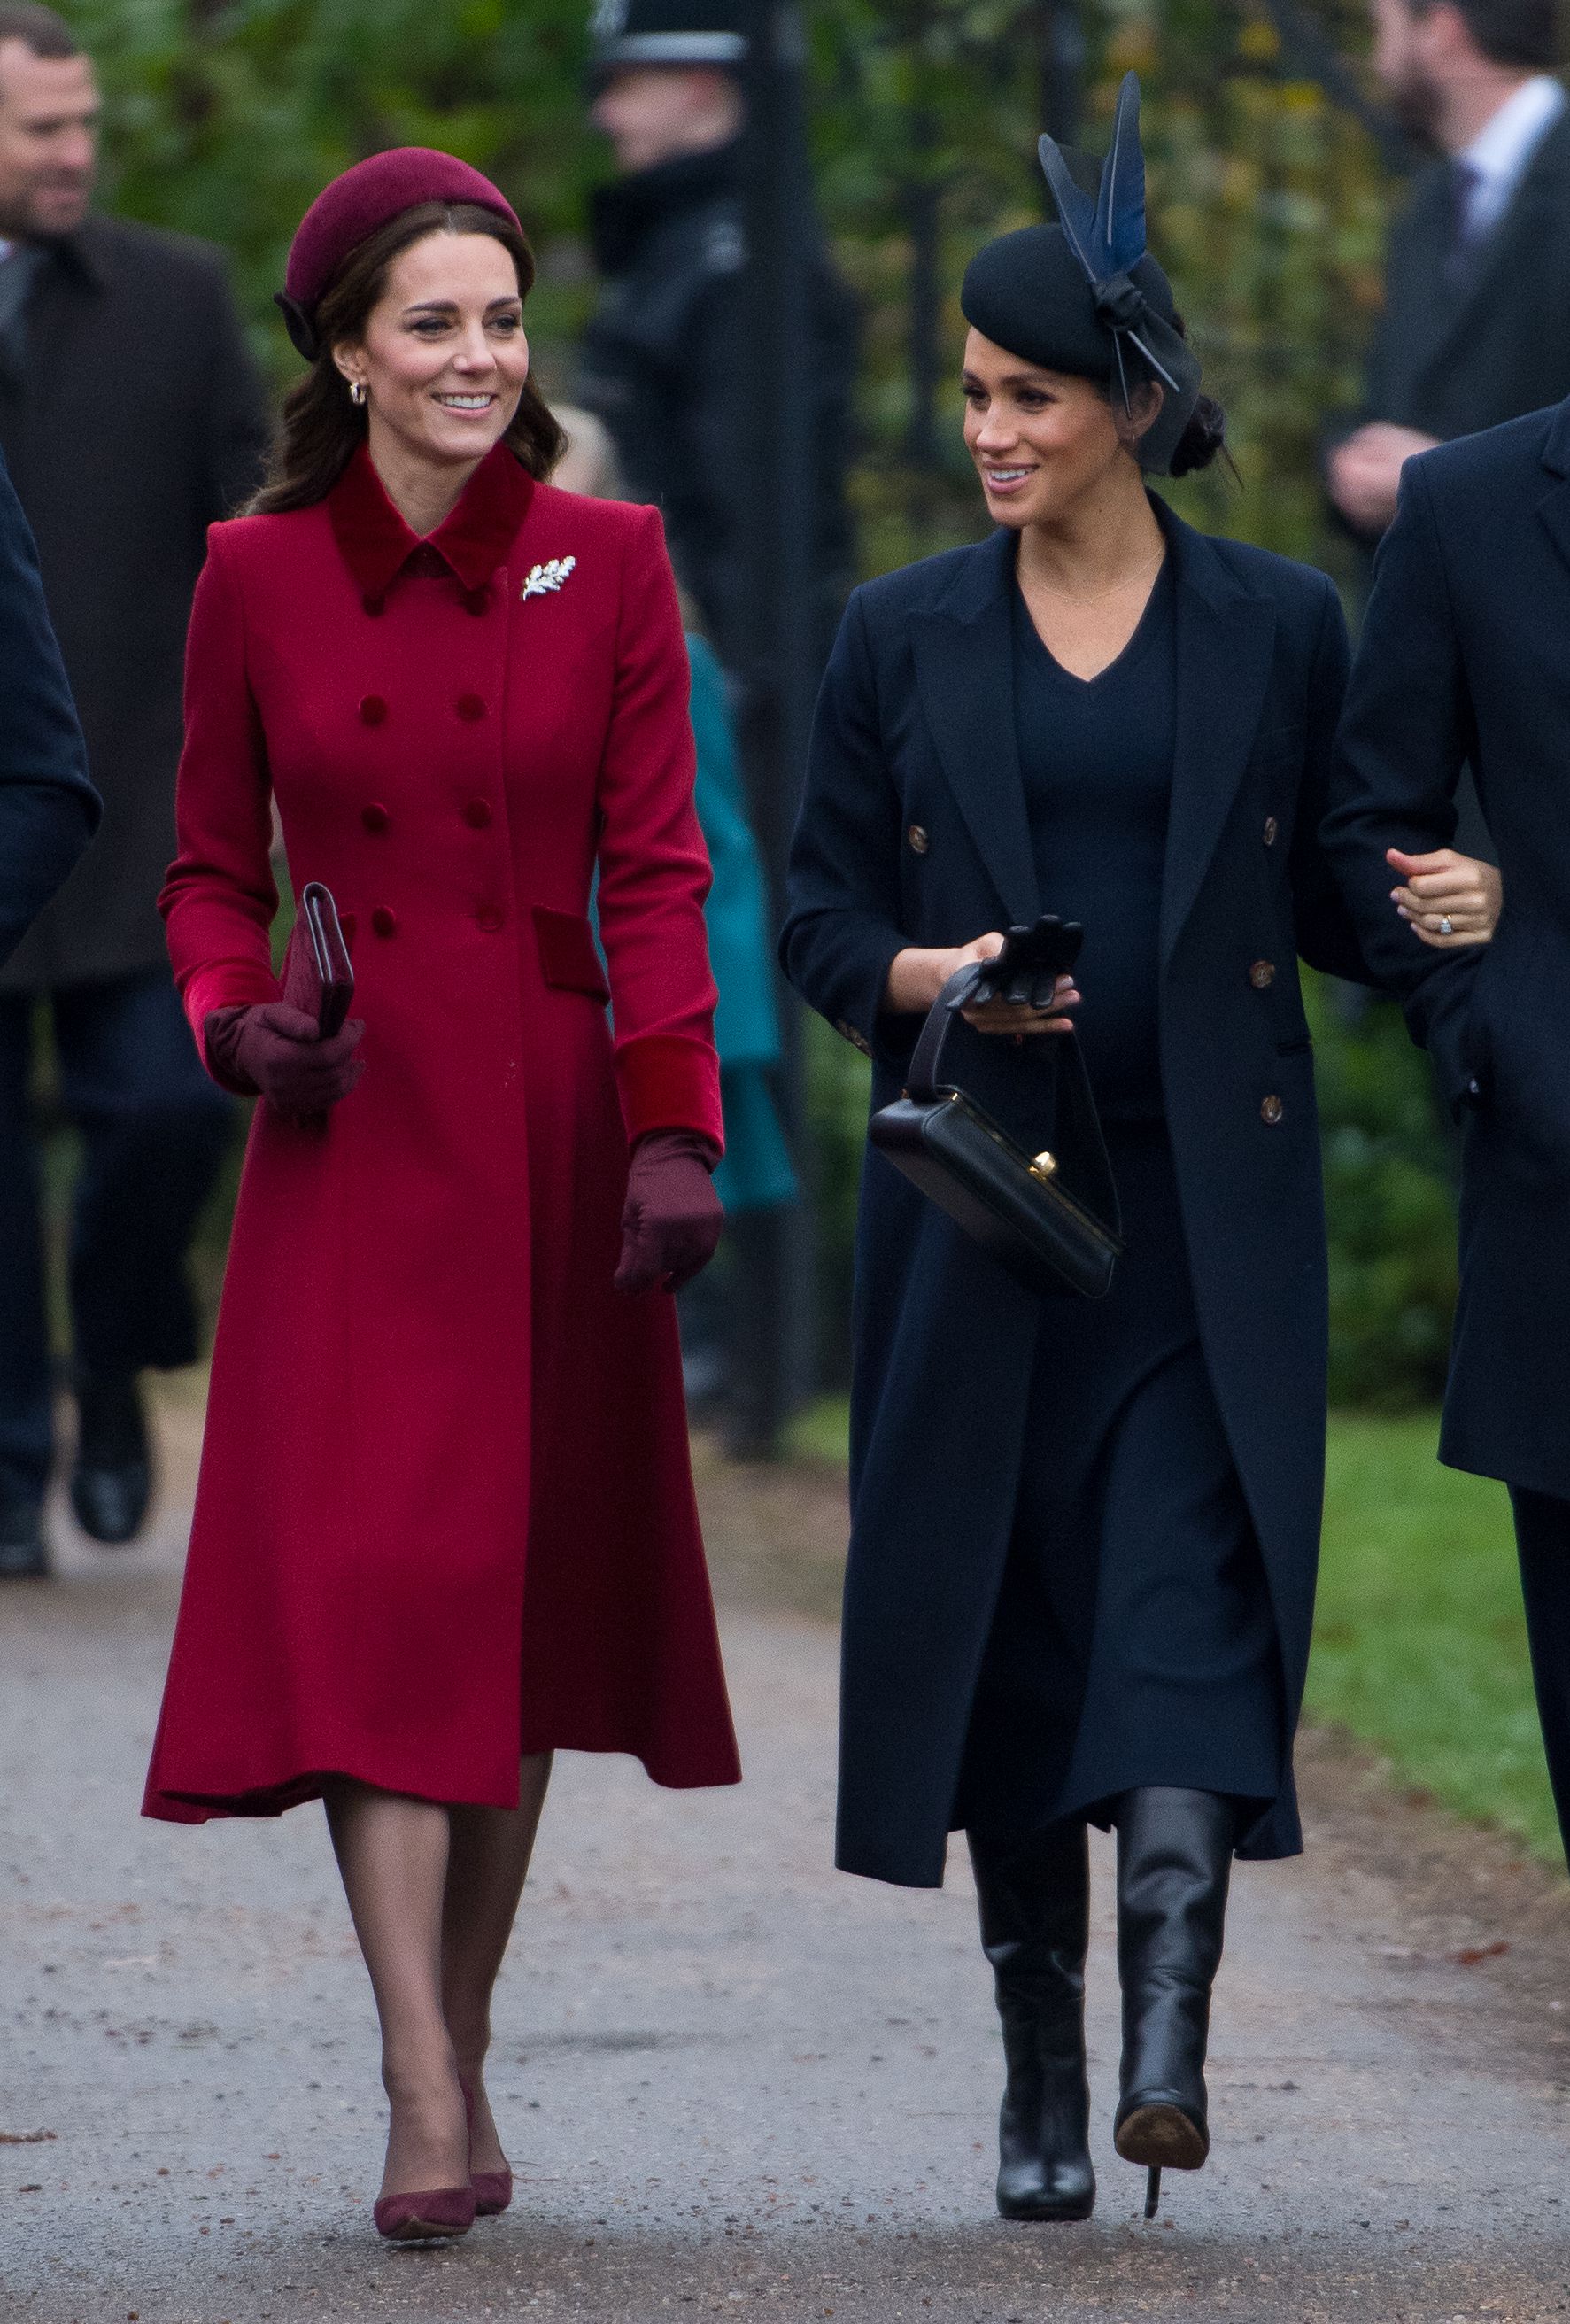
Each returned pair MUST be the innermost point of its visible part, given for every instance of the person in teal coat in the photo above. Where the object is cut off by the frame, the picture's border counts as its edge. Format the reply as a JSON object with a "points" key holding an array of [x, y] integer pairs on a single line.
{"points": [[756, 1173]]}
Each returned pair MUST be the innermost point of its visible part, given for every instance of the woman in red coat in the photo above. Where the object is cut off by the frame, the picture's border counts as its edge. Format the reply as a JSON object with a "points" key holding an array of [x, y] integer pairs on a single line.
{"points": [[445, 1522]]}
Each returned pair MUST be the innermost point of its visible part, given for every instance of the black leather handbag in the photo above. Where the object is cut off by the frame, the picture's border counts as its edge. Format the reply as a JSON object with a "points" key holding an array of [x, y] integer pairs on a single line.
{"points": [[1050, 1218]]}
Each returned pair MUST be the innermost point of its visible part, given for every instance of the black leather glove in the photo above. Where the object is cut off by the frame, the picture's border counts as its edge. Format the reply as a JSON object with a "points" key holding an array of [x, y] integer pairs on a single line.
{"points": [[1025, 973]]}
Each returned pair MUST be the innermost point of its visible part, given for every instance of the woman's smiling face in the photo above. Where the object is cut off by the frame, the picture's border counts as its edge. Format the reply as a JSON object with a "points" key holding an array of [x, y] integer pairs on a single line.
{"points": [[444, 358], [1040, 439]]}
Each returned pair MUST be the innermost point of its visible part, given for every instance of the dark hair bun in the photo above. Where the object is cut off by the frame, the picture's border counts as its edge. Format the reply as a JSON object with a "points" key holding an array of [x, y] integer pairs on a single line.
{"points": [[1204, 438]]}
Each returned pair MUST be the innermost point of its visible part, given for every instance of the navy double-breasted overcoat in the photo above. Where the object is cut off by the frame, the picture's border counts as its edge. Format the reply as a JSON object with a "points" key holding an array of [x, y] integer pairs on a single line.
{"points": [[913, 831]]}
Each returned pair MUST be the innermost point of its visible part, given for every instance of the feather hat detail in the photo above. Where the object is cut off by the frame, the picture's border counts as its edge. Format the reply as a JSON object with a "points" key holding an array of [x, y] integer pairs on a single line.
{"points": [[1085, 295]]}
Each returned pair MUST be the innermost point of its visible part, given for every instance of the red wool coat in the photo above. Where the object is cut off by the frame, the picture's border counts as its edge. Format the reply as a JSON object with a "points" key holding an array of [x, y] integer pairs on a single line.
{"points": [[446, 1513]]}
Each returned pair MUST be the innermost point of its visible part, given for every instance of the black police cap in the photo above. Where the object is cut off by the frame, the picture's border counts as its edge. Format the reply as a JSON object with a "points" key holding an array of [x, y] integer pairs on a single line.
{"points": [[666, 33]]}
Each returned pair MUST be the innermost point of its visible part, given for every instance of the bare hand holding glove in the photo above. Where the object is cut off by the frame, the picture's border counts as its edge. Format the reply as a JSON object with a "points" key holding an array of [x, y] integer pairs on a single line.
{"points": [[671, 1223], [276, 1051]]}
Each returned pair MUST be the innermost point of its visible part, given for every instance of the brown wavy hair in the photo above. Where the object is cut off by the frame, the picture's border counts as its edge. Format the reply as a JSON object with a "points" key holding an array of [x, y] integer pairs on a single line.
{"points": [[320, 429]]}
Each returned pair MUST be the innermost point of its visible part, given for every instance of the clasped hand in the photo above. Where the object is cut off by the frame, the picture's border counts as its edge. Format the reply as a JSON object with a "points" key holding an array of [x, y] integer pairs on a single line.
{"points": [[278, 1053], [1446, 899], [1033, 1000]]}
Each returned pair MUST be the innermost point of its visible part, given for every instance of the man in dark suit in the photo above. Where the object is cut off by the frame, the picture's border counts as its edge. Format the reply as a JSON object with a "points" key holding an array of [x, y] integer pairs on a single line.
{"points": [[49, 810], [131, 417], [1476, 325], [1462, 657]]}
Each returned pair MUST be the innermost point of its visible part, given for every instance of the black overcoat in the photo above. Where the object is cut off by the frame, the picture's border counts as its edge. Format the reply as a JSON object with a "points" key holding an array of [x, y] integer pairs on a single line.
{"points": [[662, 363], [137, 421], [913, 832], [1464, 657], [48, 809], [1456, 351]]}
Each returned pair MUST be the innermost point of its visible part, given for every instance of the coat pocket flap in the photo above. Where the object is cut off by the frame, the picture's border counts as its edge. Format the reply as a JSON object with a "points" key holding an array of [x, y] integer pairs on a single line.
{"points": [[568, 958]]}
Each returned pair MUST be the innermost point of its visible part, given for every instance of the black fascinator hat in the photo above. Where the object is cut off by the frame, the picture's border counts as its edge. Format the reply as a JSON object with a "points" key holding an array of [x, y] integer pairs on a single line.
{"points": [[1085, 295]]}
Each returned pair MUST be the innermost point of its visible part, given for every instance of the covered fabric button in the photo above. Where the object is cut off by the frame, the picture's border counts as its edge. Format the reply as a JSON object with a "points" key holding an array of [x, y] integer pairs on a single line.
{"points": [[477, 814], [385, 920], [375, 816], [372, 709], [489, 917], [471, 707], [374, 604], [1271, 1111], [1270, 828], [475, 601], [919, 841], [1262, 974]]}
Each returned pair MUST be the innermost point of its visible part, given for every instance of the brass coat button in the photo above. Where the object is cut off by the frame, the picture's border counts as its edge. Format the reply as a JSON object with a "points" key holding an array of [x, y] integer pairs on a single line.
{"points": [[1262, 975], [1271, 1111], [919, 841], [385, 920], [471, 707], [1271, 829], [477, 814], [375, 816]]}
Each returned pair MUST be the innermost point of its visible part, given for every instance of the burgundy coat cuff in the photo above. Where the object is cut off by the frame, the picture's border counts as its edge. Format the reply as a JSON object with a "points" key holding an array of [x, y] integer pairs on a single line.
{"points": [[228, 984], [667, 1081]]}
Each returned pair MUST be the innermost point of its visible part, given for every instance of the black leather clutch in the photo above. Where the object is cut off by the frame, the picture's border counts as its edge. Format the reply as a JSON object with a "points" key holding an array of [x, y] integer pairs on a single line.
{"points": [[1050, 1218]]}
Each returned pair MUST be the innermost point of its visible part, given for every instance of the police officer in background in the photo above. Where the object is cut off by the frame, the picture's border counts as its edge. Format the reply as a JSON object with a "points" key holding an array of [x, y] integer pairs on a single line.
{"points": [[131, 417], [663, 366], [662, 362]]}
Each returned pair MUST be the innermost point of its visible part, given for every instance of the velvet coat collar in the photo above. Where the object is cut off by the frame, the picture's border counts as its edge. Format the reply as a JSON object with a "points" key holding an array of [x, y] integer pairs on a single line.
{"points": [[377, 544]]}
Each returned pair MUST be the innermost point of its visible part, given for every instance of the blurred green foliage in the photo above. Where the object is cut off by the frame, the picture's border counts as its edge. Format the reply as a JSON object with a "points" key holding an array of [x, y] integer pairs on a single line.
{"points": [[1269, 205]]}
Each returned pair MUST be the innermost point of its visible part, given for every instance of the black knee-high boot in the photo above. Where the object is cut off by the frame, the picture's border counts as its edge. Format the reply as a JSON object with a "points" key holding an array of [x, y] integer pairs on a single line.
{"points": [[1035, 1915], [1174, 1859]]}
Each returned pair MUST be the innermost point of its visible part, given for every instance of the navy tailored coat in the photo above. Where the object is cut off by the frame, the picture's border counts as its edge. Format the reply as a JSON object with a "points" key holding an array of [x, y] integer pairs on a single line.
{"points": [[49, 810], [914, 832], [1463, 659]]}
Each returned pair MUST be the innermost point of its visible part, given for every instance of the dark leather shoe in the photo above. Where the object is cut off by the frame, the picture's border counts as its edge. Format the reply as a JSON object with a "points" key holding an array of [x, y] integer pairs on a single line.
{"points": [[1174, 1862], [1034, 1897], [112, 1481], [22, 1555]]}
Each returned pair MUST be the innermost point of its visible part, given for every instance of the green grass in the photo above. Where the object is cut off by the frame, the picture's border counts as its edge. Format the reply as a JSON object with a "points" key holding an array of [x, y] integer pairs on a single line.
{"points": [[1420, 1648]]}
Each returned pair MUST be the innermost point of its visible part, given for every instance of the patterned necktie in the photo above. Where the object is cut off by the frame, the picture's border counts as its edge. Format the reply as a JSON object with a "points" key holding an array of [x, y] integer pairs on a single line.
{"points": [[1465, 183], [18, 272]]}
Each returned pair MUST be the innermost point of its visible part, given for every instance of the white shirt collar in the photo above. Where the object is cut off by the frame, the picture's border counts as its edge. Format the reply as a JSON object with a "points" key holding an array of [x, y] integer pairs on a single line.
{"points": [[1504, 145]]}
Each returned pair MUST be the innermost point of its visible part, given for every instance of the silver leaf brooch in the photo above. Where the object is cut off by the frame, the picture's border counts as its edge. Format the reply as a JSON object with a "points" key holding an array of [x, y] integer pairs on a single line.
{"points": [[544, 579]]}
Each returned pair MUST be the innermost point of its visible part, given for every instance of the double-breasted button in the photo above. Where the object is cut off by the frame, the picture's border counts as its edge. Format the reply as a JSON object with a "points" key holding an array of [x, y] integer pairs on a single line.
{"points": [[1271, 827], [375, 816], [489, 917], [477, 814], [1262, 975], [372, 709], [471, 707], [385, 920], [1271, 1111], [373, 603], [918, 839]]}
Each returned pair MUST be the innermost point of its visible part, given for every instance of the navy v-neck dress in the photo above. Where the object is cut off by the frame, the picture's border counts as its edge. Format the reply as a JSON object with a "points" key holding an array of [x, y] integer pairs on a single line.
{"points": [[1134, 1641]]}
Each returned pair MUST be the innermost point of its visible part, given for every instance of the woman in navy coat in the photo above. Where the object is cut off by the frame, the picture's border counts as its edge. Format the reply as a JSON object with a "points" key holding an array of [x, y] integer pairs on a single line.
{"points": [[1084, 1534]]}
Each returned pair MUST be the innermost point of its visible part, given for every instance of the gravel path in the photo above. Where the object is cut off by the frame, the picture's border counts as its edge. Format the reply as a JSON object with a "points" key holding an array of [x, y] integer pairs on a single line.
{"points": [[733, 2081]]}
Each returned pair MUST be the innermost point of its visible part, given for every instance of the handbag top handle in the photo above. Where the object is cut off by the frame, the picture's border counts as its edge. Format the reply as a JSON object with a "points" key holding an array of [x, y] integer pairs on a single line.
{"points": [[1082, 1149]]}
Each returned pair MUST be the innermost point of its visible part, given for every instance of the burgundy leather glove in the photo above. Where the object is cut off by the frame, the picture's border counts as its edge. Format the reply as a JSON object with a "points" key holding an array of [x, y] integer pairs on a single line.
{"points": [[275, 1051], [670, 1227]]}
